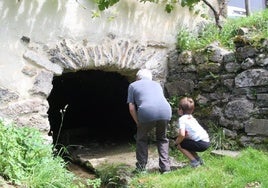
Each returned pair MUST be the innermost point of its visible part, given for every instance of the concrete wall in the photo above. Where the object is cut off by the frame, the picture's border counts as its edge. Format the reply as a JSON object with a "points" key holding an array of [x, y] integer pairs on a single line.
{"points": [[36, 35]]}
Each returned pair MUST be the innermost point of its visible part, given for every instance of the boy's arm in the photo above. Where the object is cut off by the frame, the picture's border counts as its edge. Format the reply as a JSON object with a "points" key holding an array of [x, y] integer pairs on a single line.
{"points": [[181, 136]]}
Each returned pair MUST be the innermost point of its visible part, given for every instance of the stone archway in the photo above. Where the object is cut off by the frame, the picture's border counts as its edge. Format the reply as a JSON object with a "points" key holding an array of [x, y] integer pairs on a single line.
{"points": [[95, 108], [96, 82], [110, 64]]}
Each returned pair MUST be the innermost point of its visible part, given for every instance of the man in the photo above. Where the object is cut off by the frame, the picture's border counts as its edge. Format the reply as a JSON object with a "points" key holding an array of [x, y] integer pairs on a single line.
{"points": [[149, 109]]}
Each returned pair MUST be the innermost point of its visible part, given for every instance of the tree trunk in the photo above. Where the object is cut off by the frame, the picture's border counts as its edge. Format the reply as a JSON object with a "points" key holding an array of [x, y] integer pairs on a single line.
{"points": [[247, 7], [216, 14]]}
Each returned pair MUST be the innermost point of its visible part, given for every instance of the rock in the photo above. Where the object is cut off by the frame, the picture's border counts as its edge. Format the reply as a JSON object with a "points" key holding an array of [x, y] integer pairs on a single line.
{"points": [[253, 77], [42, 61], [226, 153]]}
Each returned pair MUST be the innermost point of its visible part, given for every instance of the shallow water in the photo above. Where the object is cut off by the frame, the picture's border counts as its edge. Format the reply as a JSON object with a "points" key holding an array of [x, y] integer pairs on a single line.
{"points": [[113, 153]]}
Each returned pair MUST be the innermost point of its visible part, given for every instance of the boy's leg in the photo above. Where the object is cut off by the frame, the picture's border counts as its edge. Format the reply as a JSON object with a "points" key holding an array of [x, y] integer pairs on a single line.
{"points": [[187, 153], [194, 154], [188, 148], [193, 162], [197, 157]]}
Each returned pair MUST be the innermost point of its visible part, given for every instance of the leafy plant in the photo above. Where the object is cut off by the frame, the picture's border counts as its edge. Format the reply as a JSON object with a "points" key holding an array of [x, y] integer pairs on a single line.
{"points": [[111, 174], [185, 40], [26, 160], [173, 101], [94, 183], [256, 23]]}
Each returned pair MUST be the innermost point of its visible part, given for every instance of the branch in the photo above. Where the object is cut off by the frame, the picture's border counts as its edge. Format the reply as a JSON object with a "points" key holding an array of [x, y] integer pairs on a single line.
{"points": [[216, 14]]}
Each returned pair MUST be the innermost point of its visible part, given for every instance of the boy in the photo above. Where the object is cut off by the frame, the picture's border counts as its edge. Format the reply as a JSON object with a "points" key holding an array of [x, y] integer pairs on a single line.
{"points": [[192, 137]]}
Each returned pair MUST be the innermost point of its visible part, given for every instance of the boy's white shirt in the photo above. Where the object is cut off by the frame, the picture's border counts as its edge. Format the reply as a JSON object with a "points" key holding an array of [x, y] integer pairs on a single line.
{"points": [[193, 129]]}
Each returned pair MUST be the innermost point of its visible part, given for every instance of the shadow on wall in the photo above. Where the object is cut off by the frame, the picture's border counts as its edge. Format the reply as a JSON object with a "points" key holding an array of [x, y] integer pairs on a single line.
{"points": [[96, 111]]}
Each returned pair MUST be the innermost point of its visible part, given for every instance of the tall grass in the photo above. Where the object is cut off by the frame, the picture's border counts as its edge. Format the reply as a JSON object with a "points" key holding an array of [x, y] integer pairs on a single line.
{"points": [[26, 160], [257, 25]]}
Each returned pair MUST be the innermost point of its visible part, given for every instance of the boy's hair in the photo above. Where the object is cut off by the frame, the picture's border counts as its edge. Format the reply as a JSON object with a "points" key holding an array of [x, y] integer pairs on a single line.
{"points": [[186, 104], [144, 73]]}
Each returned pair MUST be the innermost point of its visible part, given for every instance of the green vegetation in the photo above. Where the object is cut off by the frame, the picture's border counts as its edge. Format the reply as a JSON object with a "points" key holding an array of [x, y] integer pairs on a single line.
{"points": [[219, 140], [112, 175], [169, 5], [257, 25], [249, 168], [27, 161]]}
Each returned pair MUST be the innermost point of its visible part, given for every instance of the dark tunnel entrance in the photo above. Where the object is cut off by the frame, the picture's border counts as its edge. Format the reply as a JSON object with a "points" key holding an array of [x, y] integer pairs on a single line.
{"points": [[95, 108]]}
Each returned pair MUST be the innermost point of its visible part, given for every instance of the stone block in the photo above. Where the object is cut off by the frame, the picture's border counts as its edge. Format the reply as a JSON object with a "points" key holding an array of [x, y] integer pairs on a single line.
{"points": [[226, 153], [257, 126], [42, 61]]}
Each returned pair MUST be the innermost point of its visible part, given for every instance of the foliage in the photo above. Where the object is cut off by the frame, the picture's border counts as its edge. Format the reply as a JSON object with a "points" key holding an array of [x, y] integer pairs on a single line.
{"points": [[94, 183], [185, 40], [110, 174], [173, 101], [169, 4], [218, 139], [257, 24], [104, 4], [26, 160], [219, 171]]}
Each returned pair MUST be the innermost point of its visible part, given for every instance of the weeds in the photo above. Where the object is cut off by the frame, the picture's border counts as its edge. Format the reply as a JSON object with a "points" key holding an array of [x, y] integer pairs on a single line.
{"points": [[94, 183], [256, 23], [114, 175], [219, 140], [27, 161]]}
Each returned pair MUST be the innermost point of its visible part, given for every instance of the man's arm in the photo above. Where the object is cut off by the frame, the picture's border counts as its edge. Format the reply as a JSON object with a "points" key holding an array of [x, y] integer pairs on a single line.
{"points": [[133, 112]]}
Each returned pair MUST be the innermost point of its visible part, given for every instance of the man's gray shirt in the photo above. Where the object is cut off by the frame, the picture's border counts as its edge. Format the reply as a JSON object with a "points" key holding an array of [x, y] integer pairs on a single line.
{"points": [[150, 101]]}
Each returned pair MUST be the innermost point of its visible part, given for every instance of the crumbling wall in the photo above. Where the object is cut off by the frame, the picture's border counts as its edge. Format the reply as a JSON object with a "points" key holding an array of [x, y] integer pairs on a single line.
{"points": [[230, 87]]}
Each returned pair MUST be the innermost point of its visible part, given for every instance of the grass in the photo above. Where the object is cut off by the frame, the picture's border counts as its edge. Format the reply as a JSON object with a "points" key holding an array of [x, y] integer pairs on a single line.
{"points": [[25, 160], [250, 167], [256, 23]]}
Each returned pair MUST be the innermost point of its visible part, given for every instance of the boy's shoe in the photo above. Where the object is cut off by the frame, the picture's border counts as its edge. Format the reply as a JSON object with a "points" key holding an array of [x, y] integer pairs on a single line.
{"points": [[195, 163], [200, 161]]}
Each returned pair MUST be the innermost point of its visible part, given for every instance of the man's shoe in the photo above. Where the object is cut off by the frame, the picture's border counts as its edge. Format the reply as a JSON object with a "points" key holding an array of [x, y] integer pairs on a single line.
{"points": [[139, 171], [164, 171]]}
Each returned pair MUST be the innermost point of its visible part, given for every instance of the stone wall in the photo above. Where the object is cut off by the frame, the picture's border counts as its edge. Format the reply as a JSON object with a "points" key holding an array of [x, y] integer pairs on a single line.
{"points": [[230, 87], [43, 39], [47, 39]]}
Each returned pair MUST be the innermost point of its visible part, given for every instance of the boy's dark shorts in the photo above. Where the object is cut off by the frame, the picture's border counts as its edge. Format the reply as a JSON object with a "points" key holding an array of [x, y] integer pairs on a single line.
{"points": [[192, 145]]}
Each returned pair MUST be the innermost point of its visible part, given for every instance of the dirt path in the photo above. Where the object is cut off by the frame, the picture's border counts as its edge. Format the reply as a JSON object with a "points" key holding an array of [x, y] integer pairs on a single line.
{"points": [[119, 153]]}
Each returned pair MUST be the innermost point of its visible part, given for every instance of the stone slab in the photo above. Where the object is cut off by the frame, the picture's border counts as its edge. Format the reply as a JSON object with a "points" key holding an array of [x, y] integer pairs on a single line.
{"points": [[226, 153], [257, 126]]}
